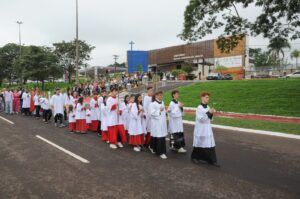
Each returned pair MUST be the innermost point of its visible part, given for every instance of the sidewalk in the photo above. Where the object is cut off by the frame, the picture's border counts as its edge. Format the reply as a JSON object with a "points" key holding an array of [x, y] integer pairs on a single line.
{"points": [[251, 116]]}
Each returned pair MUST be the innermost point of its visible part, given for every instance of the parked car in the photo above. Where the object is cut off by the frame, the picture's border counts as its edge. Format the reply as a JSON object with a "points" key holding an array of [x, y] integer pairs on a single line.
{"points": [[294, 75], [214, 76], [227, 77]]}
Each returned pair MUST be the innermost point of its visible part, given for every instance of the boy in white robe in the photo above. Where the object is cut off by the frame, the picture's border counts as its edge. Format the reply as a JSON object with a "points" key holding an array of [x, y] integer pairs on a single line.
{"points": [[57, 103], [175, 111], [158, 126], [26, 102], [204, 142], [146, 102]]}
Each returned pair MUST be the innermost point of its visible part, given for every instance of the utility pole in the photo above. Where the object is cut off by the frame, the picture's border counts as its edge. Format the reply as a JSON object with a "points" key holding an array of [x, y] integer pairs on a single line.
{"points": [[77, 44], [131, 45], [115, 58], [20, 44]]}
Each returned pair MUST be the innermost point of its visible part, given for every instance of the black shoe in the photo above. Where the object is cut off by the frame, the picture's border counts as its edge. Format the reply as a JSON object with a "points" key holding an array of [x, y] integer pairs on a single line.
{"points": [[216, 165]]}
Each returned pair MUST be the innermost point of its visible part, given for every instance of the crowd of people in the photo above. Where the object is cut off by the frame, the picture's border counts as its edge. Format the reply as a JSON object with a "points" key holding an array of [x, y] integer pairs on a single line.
{"points": [[139, 119]]}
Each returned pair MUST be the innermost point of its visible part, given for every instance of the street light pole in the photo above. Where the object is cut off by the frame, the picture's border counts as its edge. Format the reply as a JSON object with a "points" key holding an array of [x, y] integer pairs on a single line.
{"points": [[77, 44], [20, 22], [115, 58]]}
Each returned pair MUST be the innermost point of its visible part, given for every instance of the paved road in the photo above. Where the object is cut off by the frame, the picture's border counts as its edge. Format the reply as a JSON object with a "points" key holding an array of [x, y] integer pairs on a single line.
{"points": [[253, 166]]}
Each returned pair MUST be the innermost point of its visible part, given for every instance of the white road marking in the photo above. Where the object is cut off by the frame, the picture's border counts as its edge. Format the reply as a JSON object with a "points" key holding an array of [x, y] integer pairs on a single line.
{"points": [[6, 120], [278, 134], [64, 150]]}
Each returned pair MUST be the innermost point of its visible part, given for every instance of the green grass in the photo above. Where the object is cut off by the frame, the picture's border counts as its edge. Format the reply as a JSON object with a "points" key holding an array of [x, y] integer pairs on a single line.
{"points": [[271, 97], [254, 124], [48, 86]]}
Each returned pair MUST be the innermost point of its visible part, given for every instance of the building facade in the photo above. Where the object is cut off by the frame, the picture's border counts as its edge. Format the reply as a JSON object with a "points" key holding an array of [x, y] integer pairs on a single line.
{"points": [[204, 56]]}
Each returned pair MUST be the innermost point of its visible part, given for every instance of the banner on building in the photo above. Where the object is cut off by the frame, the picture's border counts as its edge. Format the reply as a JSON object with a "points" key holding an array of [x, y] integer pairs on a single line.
{"points": [[137, 61]]}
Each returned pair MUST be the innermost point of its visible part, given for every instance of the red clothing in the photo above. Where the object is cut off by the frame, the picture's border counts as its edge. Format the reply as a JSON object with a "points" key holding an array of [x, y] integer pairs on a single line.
{"points": [[16, 102]]}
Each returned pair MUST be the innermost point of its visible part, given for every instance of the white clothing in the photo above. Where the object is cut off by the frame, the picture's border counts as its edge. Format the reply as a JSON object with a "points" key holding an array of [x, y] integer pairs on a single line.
{"points": [[57, 101], [203, 134], [26, 100], [135, 126], [175, 117], [158, 119]]}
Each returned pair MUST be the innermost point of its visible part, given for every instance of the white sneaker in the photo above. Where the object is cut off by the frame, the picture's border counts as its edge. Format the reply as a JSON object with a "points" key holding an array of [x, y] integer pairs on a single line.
{"points": [[113, 146], [163, 156], [120, 145], [151, 150], [136, 149], [55, 124], [181, 150]]}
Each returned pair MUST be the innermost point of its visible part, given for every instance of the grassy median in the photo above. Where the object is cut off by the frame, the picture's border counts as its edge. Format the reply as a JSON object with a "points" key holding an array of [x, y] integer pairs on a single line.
{"points": [[271, 97], [253, 124]]}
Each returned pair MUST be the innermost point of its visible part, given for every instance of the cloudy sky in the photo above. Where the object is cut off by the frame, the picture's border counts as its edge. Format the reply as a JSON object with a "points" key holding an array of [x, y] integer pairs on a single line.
{"points": [[108, 25]]}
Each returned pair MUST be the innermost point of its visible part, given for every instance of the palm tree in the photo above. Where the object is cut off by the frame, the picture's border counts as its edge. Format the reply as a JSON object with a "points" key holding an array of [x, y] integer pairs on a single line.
{"points": [[295, 54], [276, 46]]}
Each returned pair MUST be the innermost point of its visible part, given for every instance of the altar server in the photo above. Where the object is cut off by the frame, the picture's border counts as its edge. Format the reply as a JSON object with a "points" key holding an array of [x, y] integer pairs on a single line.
{"points": [[146, 102], [158, 126], [136, 133], [104, 119], [26, 103], [37, 104], [175, 111], [57, 103], [113, 122], [45, 105], [88, 118], [80, 117], [204, 143], [125, 112], [94, 113], [72, 120]]}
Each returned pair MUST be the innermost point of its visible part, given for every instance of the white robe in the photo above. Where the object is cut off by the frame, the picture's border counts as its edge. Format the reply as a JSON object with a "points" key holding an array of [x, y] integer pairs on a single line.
{"points": [[175, 118], [135, 126], [158, 120], [94, 109], [57, 101], [112, 114], [146, 103], [45, 105], [88, 116], [72, 117], [26, 100], [80, 112], [125, 114], [36, 100], [203, 134], [104, 117], [100, 103]]}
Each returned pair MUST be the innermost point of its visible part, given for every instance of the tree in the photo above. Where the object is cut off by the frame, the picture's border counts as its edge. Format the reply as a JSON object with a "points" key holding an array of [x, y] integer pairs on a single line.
{"points": [[264, 59], [8, 54], [295, 54], [276, 46], [66, 52], [277, 18], [38, 63], [188, 69]]}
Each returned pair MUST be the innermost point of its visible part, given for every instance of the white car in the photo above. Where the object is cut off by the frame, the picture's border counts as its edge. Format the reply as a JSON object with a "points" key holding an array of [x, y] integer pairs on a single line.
{"points": [[294, 75]]}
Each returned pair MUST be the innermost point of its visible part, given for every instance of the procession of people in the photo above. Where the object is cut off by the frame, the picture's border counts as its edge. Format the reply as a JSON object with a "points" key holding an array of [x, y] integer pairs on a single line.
{"points": [[140, 120]]}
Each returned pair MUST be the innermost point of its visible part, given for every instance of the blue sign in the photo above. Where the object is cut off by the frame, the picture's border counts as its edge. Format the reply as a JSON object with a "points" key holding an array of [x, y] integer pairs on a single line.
{"points": [[137, 61]]}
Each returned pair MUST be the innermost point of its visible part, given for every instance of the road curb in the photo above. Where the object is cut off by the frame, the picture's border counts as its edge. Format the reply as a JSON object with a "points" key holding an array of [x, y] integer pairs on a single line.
{"points": [[244, 130]]}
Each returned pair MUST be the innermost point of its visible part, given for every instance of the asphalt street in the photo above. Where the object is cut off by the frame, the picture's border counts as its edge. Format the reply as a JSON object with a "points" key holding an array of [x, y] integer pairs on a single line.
{"points": [[252, 166]]}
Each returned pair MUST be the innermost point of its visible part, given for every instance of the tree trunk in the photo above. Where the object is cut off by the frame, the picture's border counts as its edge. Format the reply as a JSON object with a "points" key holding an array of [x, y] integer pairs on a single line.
{"points": [[43, 84]]}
